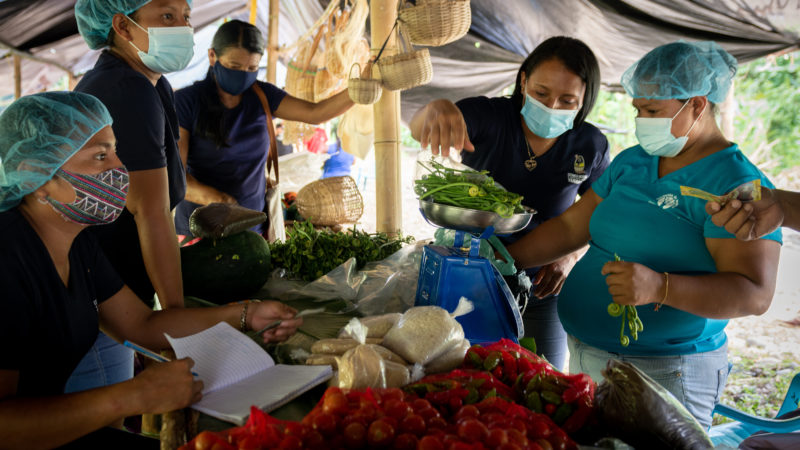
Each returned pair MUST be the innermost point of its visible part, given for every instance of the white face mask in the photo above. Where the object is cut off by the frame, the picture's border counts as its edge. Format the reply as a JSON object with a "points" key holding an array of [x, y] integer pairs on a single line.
{"points": [[170, 48], [655, 134]]}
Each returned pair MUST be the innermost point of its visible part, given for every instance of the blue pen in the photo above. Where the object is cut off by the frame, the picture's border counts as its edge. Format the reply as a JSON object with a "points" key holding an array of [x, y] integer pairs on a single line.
{"points": [[149, 353]]}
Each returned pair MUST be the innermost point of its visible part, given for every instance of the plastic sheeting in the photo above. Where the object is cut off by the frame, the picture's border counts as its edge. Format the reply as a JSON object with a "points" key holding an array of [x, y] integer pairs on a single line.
{"points": [[483, 62]]}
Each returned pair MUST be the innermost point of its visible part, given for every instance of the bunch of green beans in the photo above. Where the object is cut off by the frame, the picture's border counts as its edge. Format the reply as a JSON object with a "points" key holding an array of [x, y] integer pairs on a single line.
{"points": [[630, 315], [463, 189]]}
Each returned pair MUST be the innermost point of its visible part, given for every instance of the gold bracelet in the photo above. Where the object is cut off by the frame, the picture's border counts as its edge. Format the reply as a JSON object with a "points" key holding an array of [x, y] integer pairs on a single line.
{"points": [[243, 317], [666, 291]]}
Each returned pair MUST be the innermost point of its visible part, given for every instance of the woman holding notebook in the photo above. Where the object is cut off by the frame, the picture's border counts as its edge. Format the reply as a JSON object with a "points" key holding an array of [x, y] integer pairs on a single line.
{"points": [[59, 174]]}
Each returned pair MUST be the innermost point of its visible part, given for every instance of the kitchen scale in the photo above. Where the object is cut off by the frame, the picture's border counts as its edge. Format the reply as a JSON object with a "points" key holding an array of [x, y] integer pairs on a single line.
{"points": [[448, 273]]}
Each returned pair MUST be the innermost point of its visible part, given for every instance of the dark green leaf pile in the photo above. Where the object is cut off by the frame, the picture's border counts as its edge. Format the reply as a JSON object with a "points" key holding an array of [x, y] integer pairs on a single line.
{"points": [[309, 253]]}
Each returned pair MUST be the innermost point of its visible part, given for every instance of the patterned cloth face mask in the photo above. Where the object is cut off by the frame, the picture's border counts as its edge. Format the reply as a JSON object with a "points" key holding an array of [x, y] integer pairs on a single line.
{"points": [[99, 199]]}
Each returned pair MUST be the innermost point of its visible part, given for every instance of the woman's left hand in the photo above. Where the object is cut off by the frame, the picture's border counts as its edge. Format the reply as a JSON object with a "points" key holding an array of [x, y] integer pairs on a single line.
{"points": [[267, 312], [632, 283], [550, 278]]}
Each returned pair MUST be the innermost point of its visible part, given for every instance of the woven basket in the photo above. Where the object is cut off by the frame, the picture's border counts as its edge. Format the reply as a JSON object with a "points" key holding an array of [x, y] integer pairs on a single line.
{"points": [[364, 91], [330, 201], [408, 69], [436, 22]]}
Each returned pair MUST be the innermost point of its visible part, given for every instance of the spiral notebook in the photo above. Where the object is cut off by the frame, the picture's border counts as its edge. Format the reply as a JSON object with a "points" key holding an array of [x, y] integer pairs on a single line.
{"points": [[237, 373]]}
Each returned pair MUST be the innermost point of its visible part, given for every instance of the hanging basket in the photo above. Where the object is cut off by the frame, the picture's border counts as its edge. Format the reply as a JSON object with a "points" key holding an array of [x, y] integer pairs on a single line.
{"points": [[436, 22], [405, 70], [331, 201], [364, 91]]}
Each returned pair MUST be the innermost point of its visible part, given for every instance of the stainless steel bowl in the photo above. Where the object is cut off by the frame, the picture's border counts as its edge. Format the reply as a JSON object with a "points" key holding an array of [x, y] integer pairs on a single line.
{"points": [[472, 220]]}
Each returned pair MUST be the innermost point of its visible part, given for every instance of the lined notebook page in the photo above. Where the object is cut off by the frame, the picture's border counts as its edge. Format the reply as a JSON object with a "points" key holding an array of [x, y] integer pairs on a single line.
{"points": [[222, 355]]}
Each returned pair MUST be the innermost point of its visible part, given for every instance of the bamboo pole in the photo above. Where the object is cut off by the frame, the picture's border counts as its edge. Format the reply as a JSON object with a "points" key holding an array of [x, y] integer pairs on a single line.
{"points": [[17, 77], [383, 14], [272, 41], [253, 12]]}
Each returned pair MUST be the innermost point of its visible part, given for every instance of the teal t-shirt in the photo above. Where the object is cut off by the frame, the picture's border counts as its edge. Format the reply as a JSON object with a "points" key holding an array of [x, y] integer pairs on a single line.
{"points": [[645, 219]]}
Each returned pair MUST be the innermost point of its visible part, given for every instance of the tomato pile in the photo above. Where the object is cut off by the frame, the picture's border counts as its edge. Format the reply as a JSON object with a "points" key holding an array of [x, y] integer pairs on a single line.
{"points": [[503, 397]]}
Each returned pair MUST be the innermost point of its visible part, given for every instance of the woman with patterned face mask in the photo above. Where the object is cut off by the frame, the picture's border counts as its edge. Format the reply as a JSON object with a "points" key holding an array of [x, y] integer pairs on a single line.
{"points": [[537, 144], [686, 275], [143, 39], [224, 139], [59, 175]]}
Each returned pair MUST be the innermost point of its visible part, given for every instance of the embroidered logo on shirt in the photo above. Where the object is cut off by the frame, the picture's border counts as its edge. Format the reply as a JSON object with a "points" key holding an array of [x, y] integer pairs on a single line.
{"points": [[667, 201], [575, 178], [579, 166]]}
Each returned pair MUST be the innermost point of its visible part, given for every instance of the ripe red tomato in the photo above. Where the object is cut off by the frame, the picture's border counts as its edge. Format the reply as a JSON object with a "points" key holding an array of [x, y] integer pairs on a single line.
{"points": [[516, 437], [355, 435], [472, 430], [335, 403], [429, 413], [289, 442], [413, 424], [497, 437], [249, 443], [538, 429], [544, 444], [466, 412], [512, 446], [380, 433], [366, 413], [437, 422], [405, 441], [296, 429], [314, 440], [397, 409], [389, 394], [207, 440], [430, 443], [324, 423], [420, 404]]}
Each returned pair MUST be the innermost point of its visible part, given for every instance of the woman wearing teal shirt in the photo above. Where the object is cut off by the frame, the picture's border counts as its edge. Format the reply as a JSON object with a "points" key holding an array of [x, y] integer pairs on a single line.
{"points": [[686, 275]]}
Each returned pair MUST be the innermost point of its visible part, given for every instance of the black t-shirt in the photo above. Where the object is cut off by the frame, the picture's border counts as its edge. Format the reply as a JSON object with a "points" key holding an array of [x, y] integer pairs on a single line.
{"points": [[567, 169], [46, 327], [146, 129]]}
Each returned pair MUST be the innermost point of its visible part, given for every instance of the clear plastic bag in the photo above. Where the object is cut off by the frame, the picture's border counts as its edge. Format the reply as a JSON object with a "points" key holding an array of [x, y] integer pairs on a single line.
{"points": [[426, 332], [363, 367]]}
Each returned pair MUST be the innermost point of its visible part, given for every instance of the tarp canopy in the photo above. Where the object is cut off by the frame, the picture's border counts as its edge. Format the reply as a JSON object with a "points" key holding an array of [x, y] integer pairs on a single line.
{"points": [[482, 63]]}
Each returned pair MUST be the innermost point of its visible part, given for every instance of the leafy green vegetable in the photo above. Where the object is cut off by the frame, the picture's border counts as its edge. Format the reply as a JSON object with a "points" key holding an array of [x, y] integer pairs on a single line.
{"points": [[309, 253], [466, 189]]}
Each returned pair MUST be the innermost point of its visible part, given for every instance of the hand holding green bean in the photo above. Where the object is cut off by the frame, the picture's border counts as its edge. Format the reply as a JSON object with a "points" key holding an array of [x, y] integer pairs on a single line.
{"points": [[629, 315]]}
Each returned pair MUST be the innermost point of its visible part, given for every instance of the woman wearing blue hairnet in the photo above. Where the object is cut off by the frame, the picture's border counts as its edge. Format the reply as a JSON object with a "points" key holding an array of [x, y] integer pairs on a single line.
{"points": [[538, 144], [143, 39], [59, 175], [686, 275]]}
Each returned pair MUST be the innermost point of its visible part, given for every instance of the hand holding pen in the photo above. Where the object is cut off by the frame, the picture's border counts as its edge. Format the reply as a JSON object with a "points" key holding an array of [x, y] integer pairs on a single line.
{"points": [[276, 321]]}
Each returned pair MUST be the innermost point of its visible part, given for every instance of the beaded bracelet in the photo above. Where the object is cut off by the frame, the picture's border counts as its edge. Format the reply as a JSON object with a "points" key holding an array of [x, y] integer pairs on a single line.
{"points": [[666, 291], [243, 317]]}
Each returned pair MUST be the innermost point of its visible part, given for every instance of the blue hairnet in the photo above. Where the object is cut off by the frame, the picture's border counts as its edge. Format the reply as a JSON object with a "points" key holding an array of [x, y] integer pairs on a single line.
{"points": [[682, 70], [38, 134], [94, 17]]}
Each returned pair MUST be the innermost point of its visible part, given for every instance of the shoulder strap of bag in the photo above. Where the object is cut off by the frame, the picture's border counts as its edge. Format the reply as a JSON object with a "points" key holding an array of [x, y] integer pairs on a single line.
{"points": [[272, 155]]}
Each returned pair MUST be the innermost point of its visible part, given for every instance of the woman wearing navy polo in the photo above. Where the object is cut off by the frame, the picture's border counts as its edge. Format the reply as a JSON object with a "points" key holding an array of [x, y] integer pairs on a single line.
{"points": [[538, 144]]}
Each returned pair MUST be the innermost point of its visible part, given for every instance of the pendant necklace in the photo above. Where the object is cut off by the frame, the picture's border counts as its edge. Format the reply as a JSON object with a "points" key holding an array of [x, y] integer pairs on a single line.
{"points": [[530, 163]]}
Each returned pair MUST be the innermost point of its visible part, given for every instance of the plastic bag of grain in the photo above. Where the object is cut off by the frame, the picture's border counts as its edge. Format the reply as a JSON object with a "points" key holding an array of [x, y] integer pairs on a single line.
{"points": [[377, 326], [362, 367], [426, 332], [448, 360]]}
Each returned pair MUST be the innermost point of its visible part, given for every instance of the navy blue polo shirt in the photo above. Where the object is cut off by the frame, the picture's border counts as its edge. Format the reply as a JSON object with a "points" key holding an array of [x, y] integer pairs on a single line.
{"points": [[238, 169], [566, 170], [146, 129], [47, 326]]}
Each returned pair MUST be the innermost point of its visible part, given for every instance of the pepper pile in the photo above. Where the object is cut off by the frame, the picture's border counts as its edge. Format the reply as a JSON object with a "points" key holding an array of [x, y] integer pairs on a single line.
{"points": [[309, 253], [390, 418], [451, 390], [466, 189], [567, 399]]}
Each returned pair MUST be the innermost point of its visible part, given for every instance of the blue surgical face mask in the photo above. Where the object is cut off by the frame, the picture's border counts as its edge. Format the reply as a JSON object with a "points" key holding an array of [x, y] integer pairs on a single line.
{"points": [[170, 48], [655, 135], [547, 122], [233, 81]]}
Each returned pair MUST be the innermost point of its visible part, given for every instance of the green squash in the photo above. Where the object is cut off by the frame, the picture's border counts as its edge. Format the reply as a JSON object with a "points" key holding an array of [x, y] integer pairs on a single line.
{"points": [[227, 269]]}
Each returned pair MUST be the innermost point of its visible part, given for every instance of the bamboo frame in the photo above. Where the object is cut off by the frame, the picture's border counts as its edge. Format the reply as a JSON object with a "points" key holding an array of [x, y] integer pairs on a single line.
{"points": [[389, 210]]}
